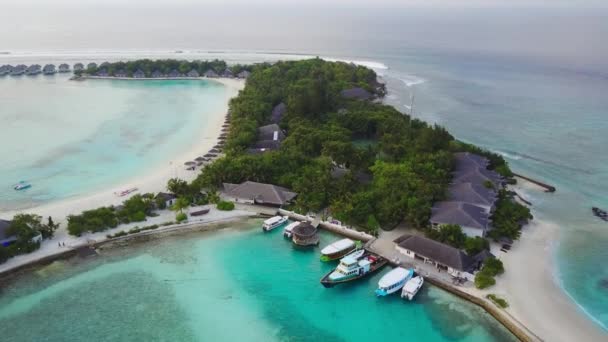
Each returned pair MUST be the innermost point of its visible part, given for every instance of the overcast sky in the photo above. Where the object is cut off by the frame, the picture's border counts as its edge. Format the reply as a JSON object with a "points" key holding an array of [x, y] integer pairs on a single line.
{"points": [[333, 3]]}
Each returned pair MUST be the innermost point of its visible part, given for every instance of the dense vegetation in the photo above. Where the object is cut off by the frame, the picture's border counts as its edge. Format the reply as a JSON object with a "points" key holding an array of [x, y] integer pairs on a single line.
{"points": [[164, 66], [134, 209], [485, 277], [26, 227], [498, 301], [407, 160], [225, 205], [508, 217]]}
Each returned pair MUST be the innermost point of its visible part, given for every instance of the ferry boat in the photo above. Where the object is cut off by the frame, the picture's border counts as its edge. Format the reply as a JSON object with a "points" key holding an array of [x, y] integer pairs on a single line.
{"points": [[22, 185], [274, 222], [351, 268], [393, 281], [338, 249], [287, 232], [412, 287]]}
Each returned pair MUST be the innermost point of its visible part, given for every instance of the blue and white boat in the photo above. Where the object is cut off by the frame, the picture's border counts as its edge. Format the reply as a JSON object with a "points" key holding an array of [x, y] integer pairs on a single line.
{"points": [[393, 281], [22, 185]]}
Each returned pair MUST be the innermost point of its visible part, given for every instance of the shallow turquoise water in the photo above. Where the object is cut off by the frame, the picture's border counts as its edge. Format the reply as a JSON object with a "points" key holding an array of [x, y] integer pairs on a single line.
{"points": [[70, 138], [231, 285]]}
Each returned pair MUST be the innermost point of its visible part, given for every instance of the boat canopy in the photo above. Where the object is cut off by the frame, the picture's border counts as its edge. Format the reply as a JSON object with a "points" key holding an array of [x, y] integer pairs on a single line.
{"points": [[394, 276], [412, 285], [338, 246], [273, 220]]}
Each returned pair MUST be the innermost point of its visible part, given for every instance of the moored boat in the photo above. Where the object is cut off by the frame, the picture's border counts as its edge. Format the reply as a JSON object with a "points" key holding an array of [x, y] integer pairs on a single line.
{"points": [[338, 249], [411, 287], [22, 185], [600, 213], [288, 231], [351, 268], [393, 281], [273, 223]]}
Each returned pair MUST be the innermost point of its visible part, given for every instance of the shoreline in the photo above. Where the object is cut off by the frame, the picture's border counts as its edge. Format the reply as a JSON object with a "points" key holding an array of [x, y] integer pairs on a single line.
{"points": [[153, 180], [534, 293], [211, 225]]}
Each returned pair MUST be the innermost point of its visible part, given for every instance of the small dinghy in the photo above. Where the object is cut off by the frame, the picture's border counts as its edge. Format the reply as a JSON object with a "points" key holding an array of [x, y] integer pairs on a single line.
{"points": [[22, 185]]}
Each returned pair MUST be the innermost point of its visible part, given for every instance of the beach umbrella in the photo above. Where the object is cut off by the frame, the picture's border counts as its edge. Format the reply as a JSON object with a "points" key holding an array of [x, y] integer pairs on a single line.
{"points": [[189, 163], [199, 159], [221, 139], [217, 146], [214, 150], [210, 155]]}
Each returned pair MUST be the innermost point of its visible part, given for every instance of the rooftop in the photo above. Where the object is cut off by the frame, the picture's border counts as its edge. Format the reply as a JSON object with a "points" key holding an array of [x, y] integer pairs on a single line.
{"points": [[437, 251], [460, 213], [260, 192]]}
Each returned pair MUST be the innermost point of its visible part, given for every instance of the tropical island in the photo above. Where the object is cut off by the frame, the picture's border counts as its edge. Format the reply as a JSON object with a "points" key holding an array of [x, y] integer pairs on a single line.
{"points": [[318, 130]]}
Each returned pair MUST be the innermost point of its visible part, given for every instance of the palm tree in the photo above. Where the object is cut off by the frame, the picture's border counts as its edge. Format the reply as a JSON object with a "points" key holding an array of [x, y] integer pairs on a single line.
{"points": [[180, 204]]}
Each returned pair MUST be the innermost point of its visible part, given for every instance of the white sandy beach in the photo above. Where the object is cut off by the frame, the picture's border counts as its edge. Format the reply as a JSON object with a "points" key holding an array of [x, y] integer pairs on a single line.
{"points": [[154, 181], [530, 286]]}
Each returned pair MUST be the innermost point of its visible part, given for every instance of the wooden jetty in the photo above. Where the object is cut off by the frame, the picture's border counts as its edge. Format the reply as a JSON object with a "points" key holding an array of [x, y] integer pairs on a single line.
{"points": [[547, 187]]}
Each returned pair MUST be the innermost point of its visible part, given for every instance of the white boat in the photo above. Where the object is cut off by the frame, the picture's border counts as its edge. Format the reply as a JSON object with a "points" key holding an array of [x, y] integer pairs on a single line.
{"points": [[412, 287], [22, 185], [353, 267], [274, 222], [393, 281], [357, 254], [337, 249], [287, 232]]}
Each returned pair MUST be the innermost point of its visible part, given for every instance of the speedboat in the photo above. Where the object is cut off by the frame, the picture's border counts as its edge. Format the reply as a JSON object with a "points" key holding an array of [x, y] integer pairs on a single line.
{"points": [[393, 281], [338, 249], [22, 185], [274, 222], [412, 287], [287, 232]]}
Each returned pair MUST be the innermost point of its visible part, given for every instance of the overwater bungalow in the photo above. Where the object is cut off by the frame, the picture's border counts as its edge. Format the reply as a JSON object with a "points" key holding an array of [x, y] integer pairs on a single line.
{"points": [[193, 73], [139, 74], [19, 70], [211, 74], [227, 73], [63, 68], [120, 73], [243, 74], [157, 74], [78, 67], [5, 70], [33, 69], [258, 193], [49, 69], [305, 234], [92, 65]]}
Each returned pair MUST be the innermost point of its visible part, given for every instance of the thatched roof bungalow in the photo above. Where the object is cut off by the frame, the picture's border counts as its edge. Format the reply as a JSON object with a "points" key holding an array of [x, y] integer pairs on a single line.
{"points": [[305, 234], [243, 74], [64, 67], [211, 73], [258, 193], [78, 67], [227, 73], [193, 73], [139, 74], [157, 74], [120, 73], [49, 69]]}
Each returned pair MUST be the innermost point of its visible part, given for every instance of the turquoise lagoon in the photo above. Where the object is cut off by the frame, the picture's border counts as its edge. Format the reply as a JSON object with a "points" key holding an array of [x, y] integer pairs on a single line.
{"points": [[237, 284], [71, 138]]}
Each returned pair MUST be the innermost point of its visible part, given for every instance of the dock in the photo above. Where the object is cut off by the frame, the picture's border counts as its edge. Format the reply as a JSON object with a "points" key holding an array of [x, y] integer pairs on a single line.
{"points": [[547, 187], [334, 228]]}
